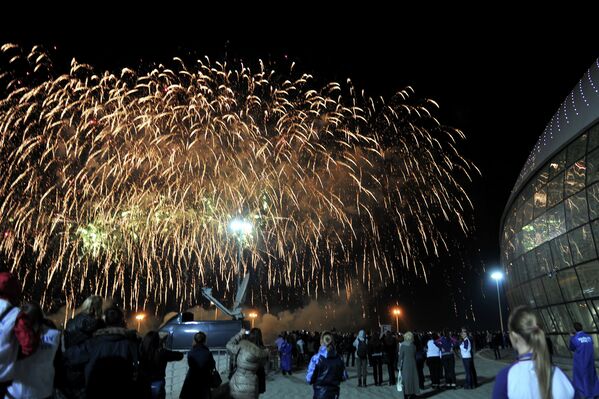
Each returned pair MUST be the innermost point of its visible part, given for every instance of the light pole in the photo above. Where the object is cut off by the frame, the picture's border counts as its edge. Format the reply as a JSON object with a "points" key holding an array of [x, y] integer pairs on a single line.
{"points": [[139, 317], [253, 316], [498, 276], [242, 229], [396, 313]]}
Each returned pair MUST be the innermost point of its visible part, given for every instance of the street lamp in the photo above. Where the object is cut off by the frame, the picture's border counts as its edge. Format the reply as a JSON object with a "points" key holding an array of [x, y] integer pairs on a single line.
{"points": [[253, 316], [139, 317], [498, 276], [241, 228], [396, 313]]}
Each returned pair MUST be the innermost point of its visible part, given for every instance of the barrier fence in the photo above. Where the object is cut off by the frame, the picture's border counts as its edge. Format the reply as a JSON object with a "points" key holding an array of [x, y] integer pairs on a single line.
{"points": [[176, 371]]}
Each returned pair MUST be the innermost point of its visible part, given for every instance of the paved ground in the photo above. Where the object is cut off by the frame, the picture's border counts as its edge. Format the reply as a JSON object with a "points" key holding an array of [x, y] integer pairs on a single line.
{"points": [[295, 387]]}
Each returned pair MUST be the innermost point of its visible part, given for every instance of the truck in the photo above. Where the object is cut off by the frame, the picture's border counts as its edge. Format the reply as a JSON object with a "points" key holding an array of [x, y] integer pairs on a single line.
{"points": [[179, 330]]}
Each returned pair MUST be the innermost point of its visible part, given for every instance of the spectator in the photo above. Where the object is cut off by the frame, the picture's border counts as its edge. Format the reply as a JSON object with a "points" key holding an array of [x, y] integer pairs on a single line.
{"points": [[361, 345], [153, 359], [279, 341], [532, 375], [285, 351], [433, 360], [110, 358], [350, 350], [326, 370], [495, 344], [17, 337], [467, 360], [375, 353], [407, 365], [446, 343], [390, 347], [584, 373], [420, 359], [251, 355], [300, 351], [80, 329], [34, 375], [83, 326], [201, 365]]}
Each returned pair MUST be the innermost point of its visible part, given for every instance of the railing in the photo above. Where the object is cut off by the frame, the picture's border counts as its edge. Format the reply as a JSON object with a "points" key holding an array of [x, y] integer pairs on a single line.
{"points": [[176, 371]]}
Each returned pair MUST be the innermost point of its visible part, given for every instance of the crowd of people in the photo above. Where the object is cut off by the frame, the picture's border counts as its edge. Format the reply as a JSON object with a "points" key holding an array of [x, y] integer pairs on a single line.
{"points": [[409, 352], [96, 356]]}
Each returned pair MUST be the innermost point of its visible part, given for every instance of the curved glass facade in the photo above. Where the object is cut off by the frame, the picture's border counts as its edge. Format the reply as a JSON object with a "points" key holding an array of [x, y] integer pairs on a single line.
{"points": [[550, 241]]}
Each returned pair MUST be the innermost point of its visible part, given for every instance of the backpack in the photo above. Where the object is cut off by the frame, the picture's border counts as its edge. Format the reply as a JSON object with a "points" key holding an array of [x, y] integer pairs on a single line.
{"points": [[362, 349]]}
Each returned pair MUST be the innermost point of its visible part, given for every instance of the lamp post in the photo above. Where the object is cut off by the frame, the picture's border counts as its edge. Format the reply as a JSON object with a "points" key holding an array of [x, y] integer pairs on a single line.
{"points": [[139, 317], [241, 228], [396, 313], [498, 276], [253, 316]]}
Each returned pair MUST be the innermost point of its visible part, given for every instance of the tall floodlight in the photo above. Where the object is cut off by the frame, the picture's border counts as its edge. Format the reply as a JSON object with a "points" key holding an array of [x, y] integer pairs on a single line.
{"points": [[498, 276], [241, 229]]}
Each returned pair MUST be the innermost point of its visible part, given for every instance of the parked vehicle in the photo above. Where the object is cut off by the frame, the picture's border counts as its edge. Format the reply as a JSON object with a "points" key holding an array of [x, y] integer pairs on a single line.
{"points": [[180, 329]]}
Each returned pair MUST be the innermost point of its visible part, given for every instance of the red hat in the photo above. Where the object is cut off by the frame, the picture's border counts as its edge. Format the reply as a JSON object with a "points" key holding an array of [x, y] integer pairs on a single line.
{"points": [[10, 289]]}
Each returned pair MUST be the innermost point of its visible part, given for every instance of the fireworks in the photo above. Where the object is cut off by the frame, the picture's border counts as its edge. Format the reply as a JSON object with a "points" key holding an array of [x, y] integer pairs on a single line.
{"points": [[124, 184]]}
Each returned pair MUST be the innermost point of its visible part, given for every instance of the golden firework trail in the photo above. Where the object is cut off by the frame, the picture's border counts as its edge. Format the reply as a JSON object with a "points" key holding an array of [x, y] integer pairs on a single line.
{"points": [[124, 184]]}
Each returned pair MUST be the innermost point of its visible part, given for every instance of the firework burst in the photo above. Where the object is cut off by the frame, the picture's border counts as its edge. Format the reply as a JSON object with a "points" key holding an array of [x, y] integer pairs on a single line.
{"points": [[124, 184]]}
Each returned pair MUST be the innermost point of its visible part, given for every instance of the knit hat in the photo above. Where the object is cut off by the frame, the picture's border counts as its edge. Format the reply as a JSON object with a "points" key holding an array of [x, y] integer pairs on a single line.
{"points": [[10, 289]]}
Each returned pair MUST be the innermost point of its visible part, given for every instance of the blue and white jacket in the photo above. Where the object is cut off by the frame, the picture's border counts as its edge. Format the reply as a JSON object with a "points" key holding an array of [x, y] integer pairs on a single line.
{"points": [[519, 381], [466, 348]]}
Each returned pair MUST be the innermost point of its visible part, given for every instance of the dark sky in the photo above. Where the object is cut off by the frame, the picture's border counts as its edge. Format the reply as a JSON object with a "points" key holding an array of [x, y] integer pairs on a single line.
{"points": [[499, 88]]}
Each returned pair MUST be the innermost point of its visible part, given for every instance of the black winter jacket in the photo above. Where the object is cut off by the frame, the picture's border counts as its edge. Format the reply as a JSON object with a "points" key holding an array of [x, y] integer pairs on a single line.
{"points": [[111, 362], [197, 381], [328, 373]]}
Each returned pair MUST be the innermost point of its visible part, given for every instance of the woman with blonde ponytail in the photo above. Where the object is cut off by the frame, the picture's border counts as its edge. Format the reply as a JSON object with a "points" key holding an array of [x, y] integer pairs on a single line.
{"points": [[532, 376], [326, 370]]}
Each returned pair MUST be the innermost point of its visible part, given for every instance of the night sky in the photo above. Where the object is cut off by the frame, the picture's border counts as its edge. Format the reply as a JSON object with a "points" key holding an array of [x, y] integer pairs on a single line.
{"points": [[500, 89]]}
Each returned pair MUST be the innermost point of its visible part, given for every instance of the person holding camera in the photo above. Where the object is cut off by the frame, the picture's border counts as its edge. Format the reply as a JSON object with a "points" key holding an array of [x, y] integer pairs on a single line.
{"points": [[251, 356]]}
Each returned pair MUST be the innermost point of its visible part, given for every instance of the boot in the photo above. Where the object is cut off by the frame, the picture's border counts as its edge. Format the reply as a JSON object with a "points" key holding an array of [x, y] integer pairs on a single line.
{"points": [[364, 383], [359, 382]]}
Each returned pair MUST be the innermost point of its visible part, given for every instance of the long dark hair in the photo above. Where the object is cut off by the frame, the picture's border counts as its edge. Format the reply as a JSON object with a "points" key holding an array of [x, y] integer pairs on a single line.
{"points": [[255, 337]]}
